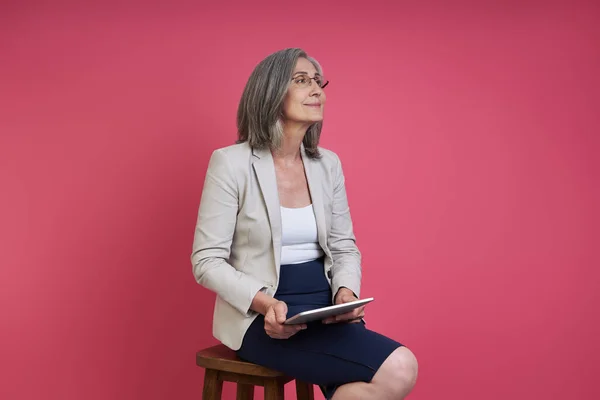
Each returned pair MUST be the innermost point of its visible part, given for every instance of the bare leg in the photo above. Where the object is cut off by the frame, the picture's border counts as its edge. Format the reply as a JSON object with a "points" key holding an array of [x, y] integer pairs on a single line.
{"points": [[393, 381]]}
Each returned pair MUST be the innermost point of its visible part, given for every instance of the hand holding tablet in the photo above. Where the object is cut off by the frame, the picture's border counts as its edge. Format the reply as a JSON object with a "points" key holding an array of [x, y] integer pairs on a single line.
{"points": [[325, 312]]}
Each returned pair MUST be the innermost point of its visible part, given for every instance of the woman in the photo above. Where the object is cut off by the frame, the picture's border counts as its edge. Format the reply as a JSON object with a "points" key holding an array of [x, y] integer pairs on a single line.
{"points": [[274, 237]]}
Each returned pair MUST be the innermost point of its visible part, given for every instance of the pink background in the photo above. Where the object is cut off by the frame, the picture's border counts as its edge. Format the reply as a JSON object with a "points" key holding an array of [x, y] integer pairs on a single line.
{"points": [[469, 137]]}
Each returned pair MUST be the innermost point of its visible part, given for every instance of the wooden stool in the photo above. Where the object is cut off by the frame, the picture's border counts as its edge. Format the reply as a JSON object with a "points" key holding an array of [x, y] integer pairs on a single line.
{"points": [[223, 365]]}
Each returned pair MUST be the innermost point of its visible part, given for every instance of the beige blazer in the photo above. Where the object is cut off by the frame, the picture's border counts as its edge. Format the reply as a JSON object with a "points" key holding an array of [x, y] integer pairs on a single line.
{"points": [[237, 241]]}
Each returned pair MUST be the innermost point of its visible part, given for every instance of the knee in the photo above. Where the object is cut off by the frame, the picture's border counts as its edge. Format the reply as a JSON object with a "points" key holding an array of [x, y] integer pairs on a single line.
{"points": [[404, 370]]}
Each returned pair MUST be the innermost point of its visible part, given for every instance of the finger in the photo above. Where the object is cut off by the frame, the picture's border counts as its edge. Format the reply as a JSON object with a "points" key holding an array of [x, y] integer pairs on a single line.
{"points": [[358, 312], [271, 324], [337, 318], [280, 312], [292, 329], [354, 314], [298, 329], [345, 317], [276, 334], [301, 327], [285, 334], [284, 329], [358, 315], [270, 318]]}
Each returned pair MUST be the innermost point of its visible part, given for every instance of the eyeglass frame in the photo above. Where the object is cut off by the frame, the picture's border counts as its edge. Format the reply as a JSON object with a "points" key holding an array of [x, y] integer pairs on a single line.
{"points": [[311, 79]]}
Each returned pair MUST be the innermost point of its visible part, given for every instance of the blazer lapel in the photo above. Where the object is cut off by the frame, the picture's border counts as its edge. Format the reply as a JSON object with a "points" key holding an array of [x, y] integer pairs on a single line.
{"points": [[265, 172], [315, 187]]}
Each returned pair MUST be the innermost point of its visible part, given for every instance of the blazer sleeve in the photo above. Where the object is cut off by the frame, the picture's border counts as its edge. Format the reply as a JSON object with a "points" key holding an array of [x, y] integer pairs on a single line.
{"points": [[213, 236], [346, 269]]}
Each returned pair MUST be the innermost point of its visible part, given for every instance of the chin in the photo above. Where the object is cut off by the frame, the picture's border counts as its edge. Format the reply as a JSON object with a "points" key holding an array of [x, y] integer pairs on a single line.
{"points": [[307, 119], [314, 118]]}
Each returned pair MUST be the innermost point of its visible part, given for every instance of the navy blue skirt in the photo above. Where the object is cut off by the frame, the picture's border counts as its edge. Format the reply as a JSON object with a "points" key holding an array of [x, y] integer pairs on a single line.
{"points": [[328, 355]]}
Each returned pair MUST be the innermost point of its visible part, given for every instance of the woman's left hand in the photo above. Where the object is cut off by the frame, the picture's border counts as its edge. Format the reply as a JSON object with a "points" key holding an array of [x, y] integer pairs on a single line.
{"points": [[345, 295]]}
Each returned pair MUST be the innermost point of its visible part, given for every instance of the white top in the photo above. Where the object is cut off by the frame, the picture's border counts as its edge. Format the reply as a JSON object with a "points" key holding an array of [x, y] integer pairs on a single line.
{"points": [[299, 240]]}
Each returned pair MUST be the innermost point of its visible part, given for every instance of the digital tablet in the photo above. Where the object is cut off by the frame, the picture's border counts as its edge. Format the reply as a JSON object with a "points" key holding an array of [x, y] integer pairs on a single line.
{"points": [[324, 312]]}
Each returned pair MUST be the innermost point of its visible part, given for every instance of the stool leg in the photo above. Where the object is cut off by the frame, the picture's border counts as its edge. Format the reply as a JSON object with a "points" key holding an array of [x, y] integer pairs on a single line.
{"points": [[273, 389], [304, 391], [213, 387], [245, 392]]}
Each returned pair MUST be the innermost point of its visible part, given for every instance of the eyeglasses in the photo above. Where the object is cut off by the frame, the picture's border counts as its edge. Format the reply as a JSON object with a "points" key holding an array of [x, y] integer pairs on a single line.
{"points": [[304, 81]]}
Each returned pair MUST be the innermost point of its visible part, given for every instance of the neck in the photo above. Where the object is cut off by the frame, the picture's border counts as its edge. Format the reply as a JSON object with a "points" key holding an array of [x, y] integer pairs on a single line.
{"points": [[289, 150]]}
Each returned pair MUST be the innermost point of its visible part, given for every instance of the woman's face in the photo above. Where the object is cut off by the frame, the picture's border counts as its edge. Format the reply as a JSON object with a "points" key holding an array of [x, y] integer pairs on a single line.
{"points": [[305, 100]]}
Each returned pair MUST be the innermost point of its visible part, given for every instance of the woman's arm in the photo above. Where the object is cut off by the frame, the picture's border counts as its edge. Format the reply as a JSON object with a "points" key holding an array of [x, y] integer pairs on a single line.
{"points": [[262, 302], [213, 237], [346, 269]]}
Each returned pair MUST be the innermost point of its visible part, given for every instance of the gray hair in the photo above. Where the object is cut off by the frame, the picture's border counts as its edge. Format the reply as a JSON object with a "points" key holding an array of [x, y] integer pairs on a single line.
{"points": [[261, 106]]}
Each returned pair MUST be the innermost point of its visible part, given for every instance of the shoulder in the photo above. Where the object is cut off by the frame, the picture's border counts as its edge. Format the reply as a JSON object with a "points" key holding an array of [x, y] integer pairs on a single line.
{"points": [[226, 164], [329, 160], [231, 157], [234, 152], [329, 166], [328, 156]]}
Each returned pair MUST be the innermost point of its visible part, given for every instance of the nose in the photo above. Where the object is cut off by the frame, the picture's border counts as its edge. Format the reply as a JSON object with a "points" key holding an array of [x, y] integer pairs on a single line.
{"points": [[315, 89]]}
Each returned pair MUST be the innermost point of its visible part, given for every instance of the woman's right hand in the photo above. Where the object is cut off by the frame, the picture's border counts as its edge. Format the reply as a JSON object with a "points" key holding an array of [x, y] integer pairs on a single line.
{"points": [[275, 317]]}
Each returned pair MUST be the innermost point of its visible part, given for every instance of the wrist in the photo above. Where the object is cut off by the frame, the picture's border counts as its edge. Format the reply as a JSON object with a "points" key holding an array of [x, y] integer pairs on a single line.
{"points": [[262, 302], [270, 302], [344, 291]]}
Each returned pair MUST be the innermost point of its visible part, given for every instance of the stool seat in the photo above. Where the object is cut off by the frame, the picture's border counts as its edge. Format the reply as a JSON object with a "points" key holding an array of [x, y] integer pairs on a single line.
{"points": [[222, 358], [223, 365]]}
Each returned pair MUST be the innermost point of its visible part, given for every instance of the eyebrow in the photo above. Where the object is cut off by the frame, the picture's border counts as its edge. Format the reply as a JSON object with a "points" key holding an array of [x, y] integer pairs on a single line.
{"points": [[305, 73]]}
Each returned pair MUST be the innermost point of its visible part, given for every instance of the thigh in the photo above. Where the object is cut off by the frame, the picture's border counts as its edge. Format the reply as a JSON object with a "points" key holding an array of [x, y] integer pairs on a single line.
{"points": [[322, 354]]}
